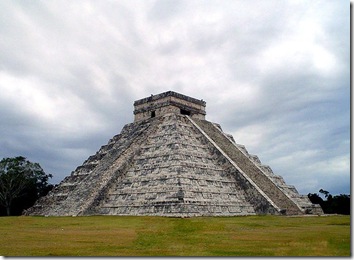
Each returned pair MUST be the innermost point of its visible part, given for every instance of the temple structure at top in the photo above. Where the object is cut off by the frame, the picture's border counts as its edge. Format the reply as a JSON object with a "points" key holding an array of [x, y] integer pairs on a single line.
{"points": [[168, 102]]}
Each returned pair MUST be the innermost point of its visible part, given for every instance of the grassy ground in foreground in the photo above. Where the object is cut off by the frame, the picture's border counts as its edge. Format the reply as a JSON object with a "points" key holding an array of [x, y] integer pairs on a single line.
{"points": [[159, 236]]}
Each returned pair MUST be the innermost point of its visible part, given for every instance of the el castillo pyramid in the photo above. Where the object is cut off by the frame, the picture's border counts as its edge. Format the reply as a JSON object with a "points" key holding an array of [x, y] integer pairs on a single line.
{"points": [[172, 162]]}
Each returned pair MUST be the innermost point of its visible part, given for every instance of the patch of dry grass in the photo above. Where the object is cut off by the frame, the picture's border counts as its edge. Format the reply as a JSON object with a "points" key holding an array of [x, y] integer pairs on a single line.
{"points": [[159, 236]]}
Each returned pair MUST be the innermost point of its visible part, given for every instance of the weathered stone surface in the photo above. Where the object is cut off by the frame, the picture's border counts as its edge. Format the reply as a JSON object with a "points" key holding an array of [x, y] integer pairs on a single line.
{"points": [[172, 163], [168, 102]]}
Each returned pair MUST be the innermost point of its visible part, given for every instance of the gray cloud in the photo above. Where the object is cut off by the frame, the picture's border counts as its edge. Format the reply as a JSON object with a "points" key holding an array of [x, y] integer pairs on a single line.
{"points": [[274, 74]]}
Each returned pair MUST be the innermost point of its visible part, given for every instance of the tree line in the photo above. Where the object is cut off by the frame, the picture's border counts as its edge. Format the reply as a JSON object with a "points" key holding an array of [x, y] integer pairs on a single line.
{"points": [[23, 182], [338, 204]]}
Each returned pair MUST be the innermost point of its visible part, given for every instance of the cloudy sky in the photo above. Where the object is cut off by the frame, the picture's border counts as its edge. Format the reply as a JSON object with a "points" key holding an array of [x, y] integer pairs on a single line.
{"points": [[274, 74]]}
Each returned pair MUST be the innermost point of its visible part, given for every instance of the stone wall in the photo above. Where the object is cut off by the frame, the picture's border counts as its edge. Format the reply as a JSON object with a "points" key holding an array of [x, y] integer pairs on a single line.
{"points": [[168, 102]]}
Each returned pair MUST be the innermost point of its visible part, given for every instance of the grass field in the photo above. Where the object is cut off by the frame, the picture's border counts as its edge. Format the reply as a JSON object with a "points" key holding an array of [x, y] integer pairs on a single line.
{"points": [[159, 236]]}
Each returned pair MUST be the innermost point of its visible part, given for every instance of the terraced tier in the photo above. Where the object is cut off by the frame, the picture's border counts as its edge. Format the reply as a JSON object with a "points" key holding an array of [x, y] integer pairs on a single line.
{"points": [[273, 192]]}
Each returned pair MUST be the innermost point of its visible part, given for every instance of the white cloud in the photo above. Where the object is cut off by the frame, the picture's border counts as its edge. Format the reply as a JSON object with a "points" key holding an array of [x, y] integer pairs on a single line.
{"points": [[273, 73], [332, 166], [37, 100]]}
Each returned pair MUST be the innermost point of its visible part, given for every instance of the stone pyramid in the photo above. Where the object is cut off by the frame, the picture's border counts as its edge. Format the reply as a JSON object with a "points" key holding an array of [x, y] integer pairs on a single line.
{"points": [[172, 162]]}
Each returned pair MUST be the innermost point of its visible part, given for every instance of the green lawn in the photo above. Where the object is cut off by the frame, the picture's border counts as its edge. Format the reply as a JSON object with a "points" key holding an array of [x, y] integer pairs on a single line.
{"points": [[160, 236]]}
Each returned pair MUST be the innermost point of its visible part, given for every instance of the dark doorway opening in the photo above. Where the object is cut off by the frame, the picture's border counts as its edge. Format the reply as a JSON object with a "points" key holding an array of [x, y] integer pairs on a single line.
{"points": [[153, 114], [185, 112]]}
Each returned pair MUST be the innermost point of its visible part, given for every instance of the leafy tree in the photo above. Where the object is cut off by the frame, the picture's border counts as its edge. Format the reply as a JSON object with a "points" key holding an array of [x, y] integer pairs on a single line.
{"points": [[325, 193], [314, 198], [21, 184], [338, 204]]}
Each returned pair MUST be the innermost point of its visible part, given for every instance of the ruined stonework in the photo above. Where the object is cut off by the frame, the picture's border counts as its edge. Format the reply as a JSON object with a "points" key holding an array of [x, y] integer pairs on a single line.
{"points": [[172, 162], [168, 102]]}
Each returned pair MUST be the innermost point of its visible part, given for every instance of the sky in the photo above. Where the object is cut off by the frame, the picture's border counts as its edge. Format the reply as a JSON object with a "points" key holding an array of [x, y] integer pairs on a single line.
{"points": [[274, 74]]}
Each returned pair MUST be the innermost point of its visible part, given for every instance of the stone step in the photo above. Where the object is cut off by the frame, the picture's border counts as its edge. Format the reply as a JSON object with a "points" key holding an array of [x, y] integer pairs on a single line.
{"points": [[249, 168]]}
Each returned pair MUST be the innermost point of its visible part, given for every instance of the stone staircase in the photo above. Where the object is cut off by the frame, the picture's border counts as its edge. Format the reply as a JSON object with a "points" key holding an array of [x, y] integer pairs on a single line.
{"points": [[302, 201], [176, 174], [250, 168], [78, 192]]}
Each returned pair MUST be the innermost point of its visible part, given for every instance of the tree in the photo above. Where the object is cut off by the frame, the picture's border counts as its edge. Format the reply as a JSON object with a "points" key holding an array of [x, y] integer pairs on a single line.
{"points": [[325, 193], [315, 199], [21, 184], [338, 204], [341, 204]]}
